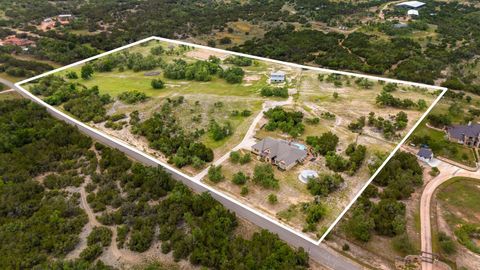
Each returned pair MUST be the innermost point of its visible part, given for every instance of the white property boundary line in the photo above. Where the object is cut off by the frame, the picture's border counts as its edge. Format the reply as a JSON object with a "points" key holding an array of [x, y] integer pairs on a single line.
{"points": [[207, 187]]}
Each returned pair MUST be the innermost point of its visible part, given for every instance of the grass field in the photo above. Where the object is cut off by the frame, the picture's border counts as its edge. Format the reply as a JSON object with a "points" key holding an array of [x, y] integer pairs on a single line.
{"points": [[458, 204], [461, 199]]}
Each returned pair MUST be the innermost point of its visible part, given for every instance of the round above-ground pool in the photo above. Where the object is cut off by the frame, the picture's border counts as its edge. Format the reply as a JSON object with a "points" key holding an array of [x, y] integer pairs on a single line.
{"points": [[306, 175]]}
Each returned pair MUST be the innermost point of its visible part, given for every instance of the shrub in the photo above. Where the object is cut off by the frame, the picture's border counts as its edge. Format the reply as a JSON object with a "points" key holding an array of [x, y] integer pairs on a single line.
{"points": [[239, 178], [132, 97], [215, 174], [263, 176], [157, 84], [272, 198]]}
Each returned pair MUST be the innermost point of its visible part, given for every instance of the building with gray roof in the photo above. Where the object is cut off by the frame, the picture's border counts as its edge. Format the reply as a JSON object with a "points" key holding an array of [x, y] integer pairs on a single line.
{"points": [[425, 154], [281, 153], [468, 135]]}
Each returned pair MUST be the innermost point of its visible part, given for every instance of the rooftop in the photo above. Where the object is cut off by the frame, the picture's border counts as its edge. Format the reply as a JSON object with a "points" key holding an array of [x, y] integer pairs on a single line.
{"points": [[280, 150], [411, 4], [425, 152], [459, 131]]}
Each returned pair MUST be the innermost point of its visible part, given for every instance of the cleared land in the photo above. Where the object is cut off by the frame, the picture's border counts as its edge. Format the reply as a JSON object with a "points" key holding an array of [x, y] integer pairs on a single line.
{"points": [[200, 107]]}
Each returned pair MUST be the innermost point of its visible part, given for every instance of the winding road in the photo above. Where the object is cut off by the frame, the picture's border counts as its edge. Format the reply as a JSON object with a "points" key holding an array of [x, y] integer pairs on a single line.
{"points": [[447, 172]]}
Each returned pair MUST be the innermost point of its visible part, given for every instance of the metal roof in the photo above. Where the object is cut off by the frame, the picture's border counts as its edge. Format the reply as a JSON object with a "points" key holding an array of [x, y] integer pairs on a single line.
{"points": [[411, 4]]}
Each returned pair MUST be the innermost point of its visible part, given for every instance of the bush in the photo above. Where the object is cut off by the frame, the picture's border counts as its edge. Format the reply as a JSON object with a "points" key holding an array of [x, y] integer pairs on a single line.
{"points": [[403, 245], [235, 157], [272, 198], [263, 176], [90, 253], [215, 174], [157, 84], [244, 191], [233, 75], [132, 97], [100, 235], [325, 143], [446, 243], [245, 158], [239, 178], [72, 75]]}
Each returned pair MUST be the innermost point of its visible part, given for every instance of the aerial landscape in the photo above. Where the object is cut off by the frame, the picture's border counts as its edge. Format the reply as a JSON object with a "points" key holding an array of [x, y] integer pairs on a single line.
{"points": [[300, 134], [273, 136]]}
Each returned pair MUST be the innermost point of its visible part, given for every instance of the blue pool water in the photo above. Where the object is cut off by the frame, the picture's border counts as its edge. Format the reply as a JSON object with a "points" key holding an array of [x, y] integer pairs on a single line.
{"points": [[300, 146]]}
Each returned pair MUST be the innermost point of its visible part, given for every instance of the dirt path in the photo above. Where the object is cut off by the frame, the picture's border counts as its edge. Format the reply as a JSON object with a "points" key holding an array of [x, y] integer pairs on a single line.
{"points": [[248, 139]]}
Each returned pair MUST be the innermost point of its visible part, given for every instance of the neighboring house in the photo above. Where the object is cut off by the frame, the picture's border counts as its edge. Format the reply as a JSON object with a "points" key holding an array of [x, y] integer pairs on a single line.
{"points": [[277, 77], [468, 135], [412, 7], [64, 18], [13, 40], [425, 154], [47, 24], [281, 153], [413, 13]]}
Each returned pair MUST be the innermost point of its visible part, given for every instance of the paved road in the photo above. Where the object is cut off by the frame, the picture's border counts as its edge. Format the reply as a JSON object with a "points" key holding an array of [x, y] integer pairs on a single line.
{"points": [[320, 253], [447, 172]]}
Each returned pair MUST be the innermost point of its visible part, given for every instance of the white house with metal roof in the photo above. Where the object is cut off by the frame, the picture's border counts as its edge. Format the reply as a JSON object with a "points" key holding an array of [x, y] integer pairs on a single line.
{"points": [[277, 77]]}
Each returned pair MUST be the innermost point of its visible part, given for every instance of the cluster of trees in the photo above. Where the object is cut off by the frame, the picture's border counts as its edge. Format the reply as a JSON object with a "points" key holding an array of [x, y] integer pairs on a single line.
{"points": [[387, 99], [218, 132], [356, 154], [386, 126], [126, 60], [286, 121], [132, 96], [386, 216], [237, 157], [198, 71], [238, 61], [47, 222], [98, 238], [191, 226], [263, 176], [84, 103], [62, 51], [325, 184], [324, 143], [271, 91], [232, 74], [22, 68], [166, 135]]}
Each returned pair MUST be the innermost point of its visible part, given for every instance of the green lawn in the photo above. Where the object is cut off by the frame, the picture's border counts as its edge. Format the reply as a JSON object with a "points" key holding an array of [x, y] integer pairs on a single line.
{"points": [[117, 82], [460, 205], [441, 146], [461, 198]]}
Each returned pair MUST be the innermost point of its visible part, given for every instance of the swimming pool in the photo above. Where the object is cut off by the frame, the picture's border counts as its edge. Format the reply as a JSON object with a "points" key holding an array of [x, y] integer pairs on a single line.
{"points": [[300, 146]]}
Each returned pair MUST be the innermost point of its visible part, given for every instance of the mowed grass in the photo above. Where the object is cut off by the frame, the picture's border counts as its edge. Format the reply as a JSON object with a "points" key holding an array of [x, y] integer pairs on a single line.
{"points": [[462, 154], [116, 82]]}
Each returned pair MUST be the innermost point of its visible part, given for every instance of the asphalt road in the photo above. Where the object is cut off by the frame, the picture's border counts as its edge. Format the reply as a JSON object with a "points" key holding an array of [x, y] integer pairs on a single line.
{"points": [[320, 253]]}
